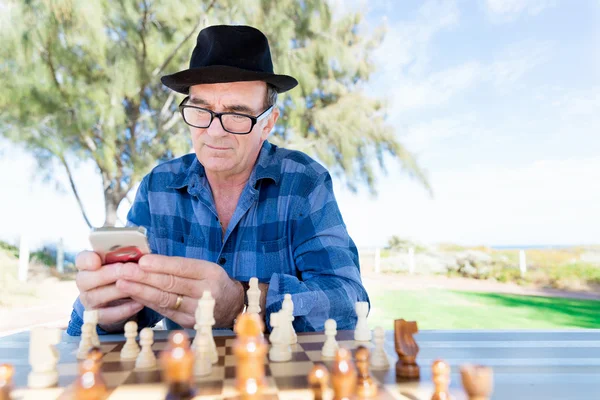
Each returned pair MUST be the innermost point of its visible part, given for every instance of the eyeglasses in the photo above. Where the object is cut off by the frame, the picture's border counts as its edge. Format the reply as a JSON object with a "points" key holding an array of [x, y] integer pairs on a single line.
{"points": [[238, 124]]}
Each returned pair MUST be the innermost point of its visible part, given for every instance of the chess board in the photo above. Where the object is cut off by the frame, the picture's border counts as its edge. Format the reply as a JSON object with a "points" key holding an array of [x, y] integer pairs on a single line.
{"points": [[285, 380]]}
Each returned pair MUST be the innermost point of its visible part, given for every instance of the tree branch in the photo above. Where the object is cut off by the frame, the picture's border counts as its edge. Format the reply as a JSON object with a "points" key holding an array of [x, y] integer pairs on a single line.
{"points": [[75, 192], [160, 69]]}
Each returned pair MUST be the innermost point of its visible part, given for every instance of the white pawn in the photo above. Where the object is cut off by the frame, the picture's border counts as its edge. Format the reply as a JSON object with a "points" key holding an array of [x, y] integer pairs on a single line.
{"points": [[146, 359], [379, 359], [130, 349], [280, 348], [362, 333], [91, 316], [85, 344], [43, 357], [253, 294], [330, 346], [288, 310], [202, 358]]}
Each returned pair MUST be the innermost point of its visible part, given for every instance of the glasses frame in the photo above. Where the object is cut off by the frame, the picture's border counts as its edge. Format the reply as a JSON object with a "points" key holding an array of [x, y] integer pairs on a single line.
{"points": [[213, 115]]}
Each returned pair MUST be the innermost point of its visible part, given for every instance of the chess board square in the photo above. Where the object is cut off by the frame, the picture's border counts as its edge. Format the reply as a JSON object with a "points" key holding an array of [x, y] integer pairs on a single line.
{"points": [[292, 382], [118, 366], [114, 379], [217, 373], [292, 368], [209, 388], [37, 394], [346, 344], [146, 392], [146, 377], [317, 338]]}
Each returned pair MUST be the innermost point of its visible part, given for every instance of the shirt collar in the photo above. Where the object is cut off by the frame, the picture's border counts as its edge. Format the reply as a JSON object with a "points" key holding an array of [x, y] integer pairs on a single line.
{"points": [[266, 167]]}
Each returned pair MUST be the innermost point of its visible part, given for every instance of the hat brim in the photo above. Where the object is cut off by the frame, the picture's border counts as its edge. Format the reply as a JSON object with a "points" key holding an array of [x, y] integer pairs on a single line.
{"points": [[182, 80]]}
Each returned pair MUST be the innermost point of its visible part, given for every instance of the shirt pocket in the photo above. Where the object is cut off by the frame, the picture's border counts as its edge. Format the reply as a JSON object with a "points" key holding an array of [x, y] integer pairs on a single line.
{"points": [[178, 244], [264, 258]]}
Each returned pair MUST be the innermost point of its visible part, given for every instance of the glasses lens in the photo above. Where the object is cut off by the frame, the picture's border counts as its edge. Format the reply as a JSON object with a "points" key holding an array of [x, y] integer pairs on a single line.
{"points": [[236, 123], [196, 117]]}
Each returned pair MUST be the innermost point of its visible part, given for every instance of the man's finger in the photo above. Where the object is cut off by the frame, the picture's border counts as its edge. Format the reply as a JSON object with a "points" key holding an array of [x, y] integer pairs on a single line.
{"points": [[178, 316], [99, 296], [159, 298], [112, 315], [168, 282], [87, 280], [179, 266], [88, 261]]}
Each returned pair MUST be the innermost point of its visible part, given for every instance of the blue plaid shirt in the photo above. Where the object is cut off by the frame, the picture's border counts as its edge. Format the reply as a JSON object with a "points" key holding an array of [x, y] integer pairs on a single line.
{"points": [[287, 231]]}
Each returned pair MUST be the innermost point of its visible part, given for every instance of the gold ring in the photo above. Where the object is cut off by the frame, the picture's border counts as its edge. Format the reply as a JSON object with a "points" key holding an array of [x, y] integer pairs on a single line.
{"points": [[178, 302]]}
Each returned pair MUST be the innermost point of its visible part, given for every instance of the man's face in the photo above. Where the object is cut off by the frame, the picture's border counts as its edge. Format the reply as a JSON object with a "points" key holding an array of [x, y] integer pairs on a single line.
{"points": [[219, 151]]}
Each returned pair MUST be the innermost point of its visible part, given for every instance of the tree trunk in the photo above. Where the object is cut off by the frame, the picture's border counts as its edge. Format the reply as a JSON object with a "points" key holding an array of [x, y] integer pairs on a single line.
{"points": [[110, 206]]}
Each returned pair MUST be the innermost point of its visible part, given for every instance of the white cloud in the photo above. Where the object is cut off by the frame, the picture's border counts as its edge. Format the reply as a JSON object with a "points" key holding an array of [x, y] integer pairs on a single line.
{"points": [[509, 10], [517, 59]]}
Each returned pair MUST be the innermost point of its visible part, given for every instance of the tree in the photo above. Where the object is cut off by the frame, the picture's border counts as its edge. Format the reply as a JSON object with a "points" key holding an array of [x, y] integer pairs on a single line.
{"points": [[80, 81]]}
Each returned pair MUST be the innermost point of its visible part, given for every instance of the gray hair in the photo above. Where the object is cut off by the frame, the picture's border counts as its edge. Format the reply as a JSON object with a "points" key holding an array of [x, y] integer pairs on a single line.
{"points": [[271, 97]]}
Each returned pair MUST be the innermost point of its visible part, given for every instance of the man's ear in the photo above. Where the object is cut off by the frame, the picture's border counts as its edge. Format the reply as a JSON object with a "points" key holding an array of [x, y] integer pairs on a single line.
{"points": [[270, 123]]}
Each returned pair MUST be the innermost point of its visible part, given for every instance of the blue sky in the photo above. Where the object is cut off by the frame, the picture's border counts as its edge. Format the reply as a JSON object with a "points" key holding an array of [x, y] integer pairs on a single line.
{"points": [[499, 99]]}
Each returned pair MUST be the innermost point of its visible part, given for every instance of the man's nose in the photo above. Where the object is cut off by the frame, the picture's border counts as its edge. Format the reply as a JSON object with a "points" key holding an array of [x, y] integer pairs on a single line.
{"points": [[216, 129]]}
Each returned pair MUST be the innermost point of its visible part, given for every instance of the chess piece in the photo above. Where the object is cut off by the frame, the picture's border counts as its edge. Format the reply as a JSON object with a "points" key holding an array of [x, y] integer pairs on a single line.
{"points": [[146, 358], [362, 332], [130, 349], [6, 381], [440, 372], [379, 359], [204, 322], [43, 357], [365, 386], [287, 308], [477, 381], [250, 349], [202, 359], [177, 366], [407, 349], [253, 295], [91, 317], [343, 375], [89, 384], [95, 354], [85, 344], [318, 379], [280, 347], [330, 346]]}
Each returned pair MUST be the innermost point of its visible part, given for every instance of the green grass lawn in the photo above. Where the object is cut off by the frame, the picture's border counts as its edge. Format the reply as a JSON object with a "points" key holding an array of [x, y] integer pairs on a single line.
{"points": [[445, 309]]}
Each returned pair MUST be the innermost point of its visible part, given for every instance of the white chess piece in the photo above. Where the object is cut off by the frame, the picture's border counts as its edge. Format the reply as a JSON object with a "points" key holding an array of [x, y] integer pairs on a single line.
{"points": [[362, 333], [130, 349], [253, 295], [202, 359], [330, 346], [205, 320], [146, 359], [379, 359], [280, 347], [43, 357], [288, 310], [91, 316], [85, 344]]}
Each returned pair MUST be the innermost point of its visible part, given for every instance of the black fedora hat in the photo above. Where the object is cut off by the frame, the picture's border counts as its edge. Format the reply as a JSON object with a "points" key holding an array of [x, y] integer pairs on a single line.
{"points": [[229, 53]]}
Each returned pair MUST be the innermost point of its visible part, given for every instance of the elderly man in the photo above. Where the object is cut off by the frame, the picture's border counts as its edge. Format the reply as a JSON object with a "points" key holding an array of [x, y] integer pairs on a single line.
{"points": [[236, 208]]}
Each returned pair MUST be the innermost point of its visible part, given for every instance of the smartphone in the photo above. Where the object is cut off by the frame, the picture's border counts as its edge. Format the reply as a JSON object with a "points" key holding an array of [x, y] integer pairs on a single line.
{"points": [[119, 244]]}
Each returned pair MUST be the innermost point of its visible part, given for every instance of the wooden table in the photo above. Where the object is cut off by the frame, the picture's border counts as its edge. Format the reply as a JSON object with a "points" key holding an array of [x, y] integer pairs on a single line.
{"points": [[531, 364]]}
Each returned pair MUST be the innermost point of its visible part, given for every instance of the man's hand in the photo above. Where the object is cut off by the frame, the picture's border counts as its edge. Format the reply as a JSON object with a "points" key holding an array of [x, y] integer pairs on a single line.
{"points": [[98, 291], [156, 281]]}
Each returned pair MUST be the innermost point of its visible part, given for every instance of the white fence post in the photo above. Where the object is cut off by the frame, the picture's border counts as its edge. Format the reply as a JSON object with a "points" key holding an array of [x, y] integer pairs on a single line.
{"points": [[377, 260], [60, 257], [23, 258], [411, 260], [522, 262]]}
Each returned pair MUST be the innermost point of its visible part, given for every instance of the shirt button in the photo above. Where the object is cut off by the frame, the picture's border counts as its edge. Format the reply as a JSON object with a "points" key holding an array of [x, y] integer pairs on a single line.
{"points": [[222, 260]]}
